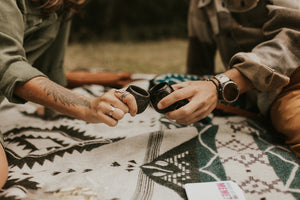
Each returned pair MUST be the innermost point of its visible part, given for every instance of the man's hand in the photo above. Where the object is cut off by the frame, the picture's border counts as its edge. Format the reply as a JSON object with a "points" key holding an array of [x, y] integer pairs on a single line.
{"points": [[202, 96]]}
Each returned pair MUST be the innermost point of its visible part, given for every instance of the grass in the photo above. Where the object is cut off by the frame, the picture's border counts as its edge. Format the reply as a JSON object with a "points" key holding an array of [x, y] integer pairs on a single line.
{"points": [[154, 57], [142, 57]]}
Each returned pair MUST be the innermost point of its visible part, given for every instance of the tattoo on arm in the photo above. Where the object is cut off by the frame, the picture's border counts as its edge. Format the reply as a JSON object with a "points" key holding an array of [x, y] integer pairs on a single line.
{"points": [[63, 95]]}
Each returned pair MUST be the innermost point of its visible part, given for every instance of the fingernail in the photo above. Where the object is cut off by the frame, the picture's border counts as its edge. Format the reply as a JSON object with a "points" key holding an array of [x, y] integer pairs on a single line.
{"points": [[159, 105], [132, 114]]}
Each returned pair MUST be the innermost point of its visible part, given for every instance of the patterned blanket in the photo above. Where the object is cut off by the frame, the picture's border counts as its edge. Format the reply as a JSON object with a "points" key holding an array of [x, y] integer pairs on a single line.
{"points": [[148, 157]]}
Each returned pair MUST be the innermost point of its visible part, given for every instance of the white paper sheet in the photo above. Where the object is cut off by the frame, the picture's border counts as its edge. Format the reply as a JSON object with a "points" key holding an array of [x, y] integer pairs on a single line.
{"points": [[222, 190]]}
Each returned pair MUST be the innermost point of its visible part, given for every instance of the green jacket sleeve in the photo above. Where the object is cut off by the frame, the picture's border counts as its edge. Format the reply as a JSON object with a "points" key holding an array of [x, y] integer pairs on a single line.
{"points": [[14, 67], [51, 61]]}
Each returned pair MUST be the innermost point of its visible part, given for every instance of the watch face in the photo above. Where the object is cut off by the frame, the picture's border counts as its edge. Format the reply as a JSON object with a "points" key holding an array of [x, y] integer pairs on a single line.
{"points": [[228, 89], [230, 92]]}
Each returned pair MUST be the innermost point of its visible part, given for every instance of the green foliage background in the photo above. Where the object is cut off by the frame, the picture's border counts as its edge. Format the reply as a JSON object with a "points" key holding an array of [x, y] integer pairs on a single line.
{"points": [[133, 20]]}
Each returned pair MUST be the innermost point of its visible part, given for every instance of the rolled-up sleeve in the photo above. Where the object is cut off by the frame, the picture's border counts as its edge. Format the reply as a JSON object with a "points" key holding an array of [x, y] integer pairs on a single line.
{"points": [[14, 67], [270, 64]]}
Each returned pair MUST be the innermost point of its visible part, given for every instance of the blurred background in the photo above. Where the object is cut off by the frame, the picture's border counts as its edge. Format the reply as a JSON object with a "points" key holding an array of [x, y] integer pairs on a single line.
{"points": [[133, 20], [137, 36]]}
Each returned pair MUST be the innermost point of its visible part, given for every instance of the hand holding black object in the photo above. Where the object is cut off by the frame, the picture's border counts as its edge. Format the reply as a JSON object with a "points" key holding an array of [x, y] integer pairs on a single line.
{"points": [[161, 90], [141, 96], [157, 93]]}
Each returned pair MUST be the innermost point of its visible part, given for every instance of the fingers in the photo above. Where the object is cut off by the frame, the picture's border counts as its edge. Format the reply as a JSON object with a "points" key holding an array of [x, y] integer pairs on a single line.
{"points": [[109, 114], [112, 106], [128, 99], [197, 115], [202, 101], [108, 120], [116, 113], [194, 111], [111, 99], [179, 85], [175, 96]]}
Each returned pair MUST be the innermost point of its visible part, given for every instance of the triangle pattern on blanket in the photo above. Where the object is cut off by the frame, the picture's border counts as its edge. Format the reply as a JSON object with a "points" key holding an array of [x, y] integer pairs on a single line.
{"points": [[58, 141], [175, 168], [29, 146]]}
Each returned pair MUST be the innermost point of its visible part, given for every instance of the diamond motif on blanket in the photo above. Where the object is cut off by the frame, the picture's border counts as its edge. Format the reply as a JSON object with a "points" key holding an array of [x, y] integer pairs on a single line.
{"points": [[259, 186], [247, 159], [250, 167], [216, 156], [236, 145]]}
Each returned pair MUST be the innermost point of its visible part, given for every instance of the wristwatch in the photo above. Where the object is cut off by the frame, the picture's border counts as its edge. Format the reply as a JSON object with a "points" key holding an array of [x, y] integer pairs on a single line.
{"points": [[228, 91]]}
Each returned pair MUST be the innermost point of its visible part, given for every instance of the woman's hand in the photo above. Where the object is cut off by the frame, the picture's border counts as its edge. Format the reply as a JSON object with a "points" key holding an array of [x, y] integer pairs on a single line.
{"points": [[202, 96], [108, 108], [111, 107]]}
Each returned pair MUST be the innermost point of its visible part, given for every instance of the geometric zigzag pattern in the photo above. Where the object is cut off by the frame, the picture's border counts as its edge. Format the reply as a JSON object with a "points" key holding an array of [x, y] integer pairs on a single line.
{"points": [[232, 148]]}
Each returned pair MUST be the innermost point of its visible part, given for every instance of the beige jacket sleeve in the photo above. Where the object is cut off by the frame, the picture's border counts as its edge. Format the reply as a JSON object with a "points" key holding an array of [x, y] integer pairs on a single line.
{"points": [[270, 64]]}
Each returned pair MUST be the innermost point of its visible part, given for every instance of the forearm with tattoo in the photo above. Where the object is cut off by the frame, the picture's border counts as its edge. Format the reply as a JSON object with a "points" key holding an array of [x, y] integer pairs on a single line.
{"points": [[45, 92], [61, 94]]}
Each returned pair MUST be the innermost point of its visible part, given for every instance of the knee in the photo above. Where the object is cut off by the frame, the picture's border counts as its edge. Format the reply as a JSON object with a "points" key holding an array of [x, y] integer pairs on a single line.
{"points": [[3, 167], [285, 116]]}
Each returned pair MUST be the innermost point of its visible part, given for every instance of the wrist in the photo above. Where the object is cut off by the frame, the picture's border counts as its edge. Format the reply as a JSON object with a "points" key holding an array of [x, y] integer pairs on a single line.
{"points": [[242, 81], [227, 89], [215, 83]]}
